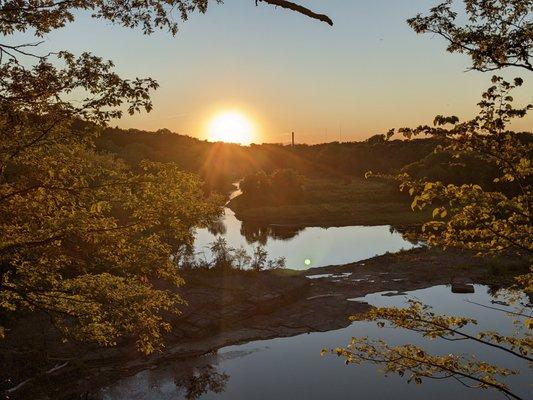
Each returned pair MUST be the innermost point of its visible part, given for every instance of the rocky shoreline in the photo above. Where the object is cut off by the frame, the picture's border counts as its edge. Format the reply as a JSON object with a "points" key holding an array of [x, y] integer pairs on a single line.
{"points": [[241, 306]]}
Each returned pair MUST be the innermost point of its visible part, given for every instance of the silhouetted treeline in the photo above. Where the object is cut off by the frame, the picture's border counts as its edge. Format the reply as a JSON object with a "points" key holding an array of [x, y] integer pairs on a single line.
{"points": [[219, 164], [467, 168], [283, 186]]}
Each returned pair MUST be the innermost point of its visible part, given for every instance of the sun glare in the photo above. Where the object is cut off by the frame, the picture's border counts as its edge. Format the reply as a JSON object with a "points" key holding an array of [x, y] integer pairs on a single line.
{"points": [[231, 126]]}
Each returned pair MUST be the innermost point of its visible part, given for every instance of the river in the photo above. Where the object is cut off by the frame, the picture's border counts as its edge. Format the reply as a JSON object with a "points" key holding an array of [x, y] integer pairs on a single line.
{"points": [[303, 248], [292, 368]]}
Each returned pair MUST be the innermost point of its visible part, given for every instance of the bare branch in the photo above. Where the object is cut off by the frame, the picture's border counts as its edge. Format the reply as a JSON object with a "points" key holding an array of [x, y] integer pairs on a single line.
{"points": [[300, 9]]}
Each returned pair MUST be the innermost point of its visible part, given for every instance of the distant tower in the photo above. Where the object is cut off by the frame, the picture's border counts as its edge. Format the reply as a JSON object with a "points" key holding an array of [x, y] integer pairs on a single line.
{"points": [[293, 139]]}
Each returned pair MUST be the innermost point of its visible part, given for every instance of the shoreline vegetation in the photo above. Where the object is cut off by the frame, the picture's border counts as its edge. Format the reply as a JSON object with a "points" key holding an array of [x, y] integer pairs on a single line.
{"points": [[332, 203], [220, 164]]}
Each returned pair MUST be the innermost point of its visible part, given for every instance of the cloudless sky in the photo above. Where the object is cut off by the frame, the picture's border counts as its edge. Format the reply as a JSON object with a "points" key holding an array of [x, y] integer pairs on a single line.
{"points": [[366, 74]]}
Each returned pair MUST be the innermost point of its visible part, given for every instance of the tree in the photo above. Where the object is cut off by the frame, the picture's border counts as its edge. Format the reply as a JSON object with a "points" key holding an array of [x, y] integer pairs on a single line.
{"points": [[278, 263], [467, 216], [380, 138], [241, 258], [222, 254], [471, 217], [282, 186], [497, 33], [259, 258], [47, 15], [84, 237], [256, 185], [419, 365], [286, 183]]}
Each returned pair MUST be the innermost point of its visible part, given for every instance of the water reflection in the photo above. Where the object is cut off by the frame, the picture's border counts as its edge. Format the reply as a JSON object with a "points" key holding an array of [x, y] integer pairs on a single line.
{"points": [[217, 228], [319, 246], [292, 368], [189, 380], [202, 380], [259, 234]]}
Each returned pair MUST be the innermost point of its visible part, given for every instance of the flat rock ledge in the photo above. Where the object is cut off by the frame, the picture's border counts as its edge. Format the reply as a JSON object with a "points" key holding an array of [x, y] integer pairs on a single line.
{"points": [[228, 308]]}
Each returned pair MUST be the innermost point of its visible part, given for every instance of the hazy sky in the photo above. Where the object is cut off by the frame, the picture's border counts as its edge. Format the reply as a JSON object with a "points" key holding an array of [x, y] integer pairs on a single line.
{"points": [[366, 74]]}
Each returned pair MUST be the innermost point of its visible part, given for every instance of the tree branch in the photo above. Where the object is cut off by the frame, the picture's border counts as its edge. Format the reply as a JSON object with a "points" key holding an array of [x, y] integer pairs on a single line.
{"points": [[300, 9]]}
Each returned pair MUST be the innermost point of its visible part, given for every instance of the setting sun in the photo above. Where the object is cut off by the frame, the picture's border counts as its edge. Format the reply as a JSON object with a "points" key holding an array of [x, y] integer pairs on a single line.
{"points": [[231, 126]]}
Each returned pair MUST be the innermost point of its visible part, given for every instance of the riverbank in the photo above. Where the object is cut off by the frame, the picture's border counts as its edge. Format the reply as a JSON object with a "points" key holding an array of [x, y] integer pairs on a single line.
{"points": [[236, 307], [329, 202]]}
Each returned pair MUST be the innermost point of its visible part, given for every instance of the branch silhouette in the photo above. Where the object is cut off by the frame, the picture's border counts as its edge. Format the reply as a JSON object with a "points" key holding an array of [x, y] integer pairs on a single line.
{"points": [[300, 9]]}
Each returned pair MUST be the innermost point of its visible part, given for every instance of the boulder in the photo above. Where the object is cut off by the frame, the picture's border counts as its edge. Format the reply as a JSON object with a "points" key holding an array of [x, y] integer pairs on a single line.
{"points": [[462, 286]]}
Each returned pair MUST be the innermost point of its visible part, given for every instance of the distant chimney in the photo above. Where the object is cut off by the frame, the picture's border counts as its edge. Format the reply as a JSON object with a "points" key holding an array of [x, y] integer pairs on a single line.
{"points": [[293, 139]]}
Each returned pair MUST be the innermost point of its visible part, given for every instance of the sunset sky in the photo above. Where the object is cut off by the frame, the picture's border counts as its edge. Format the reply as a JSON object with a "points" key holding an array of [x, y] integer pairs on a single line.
{"points": [[366, 74]]}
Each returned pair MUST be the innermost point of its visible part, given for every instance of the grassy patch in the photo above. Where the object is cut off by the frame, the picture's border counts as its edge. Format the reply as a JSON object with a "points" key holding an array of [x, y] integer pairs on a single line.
{"points": [[336, 203]]}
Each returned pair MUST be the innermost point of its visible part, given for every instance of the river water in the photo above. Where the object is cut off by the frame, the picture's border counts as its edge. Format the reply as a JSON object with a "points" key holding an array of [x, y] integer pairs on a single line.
{"points": [[303, 248], [292, 368]]}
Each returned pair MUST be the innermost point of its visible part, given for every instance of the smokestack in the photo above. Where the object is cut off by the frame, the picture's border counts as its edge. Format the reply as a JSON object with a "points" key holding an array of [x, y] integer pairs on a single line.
{"points": [[293, 139]]}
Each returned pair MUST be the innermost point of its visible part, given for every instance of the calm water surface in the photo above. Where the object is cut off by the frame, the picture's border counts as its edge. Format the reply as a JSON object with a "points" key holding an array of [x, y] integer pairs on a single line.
{"points": [[321, 246], [291, 368]]}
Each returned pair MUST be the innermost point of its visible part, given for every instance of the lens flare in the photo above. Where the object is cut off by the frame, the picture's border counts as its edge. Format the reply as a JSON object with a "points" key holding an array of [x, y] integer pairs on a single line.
{"points": [[231, 126]]}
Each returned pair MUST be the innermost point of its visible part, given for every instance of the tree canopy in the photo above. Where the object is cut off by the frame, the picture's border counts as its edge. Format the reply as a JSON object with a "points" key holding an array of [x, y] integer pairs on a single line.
{"points": [[84, 237], [44, 16], [491, 219], [470, 216], [495, 34], [467, 216]]}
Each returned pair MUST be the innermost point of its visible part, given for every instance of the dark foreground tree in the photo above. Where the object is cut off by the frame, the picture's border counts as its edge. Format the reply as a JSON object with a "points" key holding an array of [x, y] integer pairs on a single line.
{"points": [[84, 238], [467, 216], [495, 34], [489, 222], [43, 16]]}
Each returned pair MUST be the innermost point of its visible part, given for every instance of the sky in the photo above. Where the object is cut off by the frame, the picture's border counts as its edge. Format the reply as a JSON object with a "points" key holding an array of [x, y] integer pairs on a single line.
{"points": [[368, 73]]}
